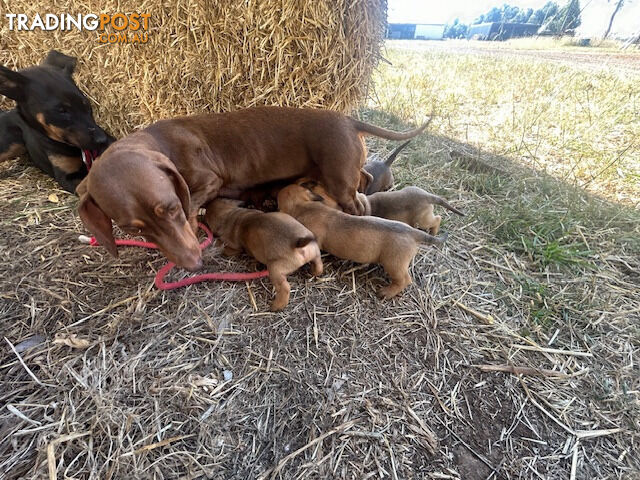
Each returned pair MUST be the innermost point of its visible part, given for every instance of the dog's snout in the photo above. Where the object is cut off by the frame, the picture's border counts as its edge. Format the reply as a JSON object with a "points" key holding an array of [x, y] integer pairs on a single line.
{"points": [[194, 265]]}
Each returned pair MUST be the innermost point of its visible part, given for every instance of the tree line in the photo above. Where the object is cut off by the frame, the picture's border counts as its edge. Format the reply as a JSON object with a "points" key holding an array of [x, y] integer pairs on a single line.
{"points": [[554, 19]]}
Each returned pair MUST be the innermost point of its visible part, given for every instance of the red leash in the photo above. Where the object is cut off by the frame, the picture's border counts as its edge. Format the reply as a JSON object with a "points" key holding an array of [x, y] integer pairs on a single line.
{"points": [[204, 277]]}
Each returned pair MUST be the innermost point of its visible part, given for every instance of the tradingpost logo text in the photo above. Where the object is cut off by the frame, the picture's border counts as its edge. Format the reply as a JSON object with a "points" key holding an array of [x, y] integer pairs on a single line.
{"points": [[111, 28]]}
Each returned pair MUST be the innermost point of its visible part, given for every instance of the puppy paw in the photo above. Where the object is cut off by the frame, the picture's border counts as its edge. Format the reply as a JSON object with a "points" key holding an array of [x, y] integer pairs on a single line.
{"points": [[316, 268], [278, 305], [387, 292]]}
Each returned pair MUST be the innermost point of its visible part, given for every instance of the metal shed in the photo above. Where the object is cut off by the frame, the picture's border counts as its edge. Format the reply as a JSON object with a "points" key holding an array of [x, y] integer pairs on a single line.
{"points": [[418, 31], [502, 30]]}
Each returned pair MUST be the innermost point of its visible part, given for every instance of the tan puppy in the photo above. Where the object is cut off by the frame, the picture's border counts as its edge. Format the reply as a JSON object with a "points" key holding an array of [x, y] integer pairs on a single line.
{"points": [[411, 205], [274, 239], [361, 239]]}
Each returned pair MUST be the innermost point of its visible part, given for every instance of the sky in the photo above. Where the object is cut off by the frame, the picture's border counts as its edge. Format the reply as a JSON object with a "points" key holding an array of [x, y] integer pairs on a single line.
{"points": [[595, 16]]}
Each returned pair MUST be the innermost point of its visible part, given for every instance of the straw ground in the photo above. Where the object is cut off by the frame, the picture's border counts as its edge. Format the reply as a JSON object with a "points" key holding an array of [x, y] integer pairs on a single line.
{"points": [[513, 354]]}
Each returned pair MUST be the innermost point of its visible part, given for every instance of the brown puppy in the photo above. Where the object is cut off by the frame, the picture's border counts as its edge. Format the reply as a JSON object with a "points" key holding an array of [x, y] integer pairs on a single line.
{"points": [[411, 205], [361, 239], [154, 181], [380, 171], [274, 239]]}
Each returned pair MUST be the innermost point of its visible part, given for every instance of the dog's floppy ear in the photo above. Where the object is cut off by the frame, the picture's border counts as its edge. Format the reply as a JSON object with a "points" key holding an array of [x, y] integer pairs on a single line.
{"points": [[181, 187], [365, 180], [97, 223], [61, 61], [12, 84], [82, 188], [182, 190]]}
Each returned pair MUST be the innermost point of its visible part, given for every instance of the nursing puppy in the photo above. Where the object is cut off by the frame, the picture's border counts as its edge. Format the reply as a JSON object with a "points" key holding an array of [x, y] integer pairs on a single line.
{"points": [[411, 205], [380, 171], [274, 239], [361, 239]]}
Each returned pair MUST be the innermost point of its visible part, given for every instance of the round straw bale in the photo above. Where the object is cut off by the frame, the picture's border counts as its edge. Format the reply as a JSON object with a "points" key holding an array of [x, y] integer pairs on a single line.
{"points": [[210, 56]]}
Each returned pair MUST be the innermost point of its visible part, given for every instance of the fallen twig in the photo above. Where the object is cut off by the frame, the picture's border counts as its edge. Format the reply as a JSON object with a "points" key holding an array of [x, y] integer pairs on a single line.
{"points": [[161, 443], [486, 318], [541, 372]]}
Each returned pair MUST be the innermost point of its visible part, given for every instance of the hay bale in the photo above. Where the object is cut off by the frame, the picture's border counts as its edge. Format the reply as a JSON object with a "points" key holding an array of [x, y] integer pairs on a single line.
{"points": [[205, 56]]}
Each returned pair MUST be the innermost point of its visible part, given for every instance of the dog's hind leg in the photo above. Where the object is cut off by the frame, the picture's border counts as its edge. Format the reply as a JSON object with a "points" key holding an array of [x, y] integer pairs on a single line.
{"points": [[397, 267], [399, 281], [435, 225], [278, 277], [340, 162]]}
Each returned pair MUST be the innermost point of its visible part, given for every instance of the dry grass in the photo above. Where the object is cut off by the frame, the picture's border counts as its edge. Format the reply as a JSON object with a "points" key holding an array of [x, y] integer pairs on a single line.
{"points": [[570, 44], [502, 360], [212, 56], [578, 125]]}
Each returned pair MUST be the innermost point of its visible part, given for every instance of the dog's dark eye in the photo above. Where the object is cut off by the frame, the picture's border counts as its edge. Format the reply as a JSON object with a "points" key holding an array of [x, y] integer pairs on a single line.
{"points": [[62, 109]]}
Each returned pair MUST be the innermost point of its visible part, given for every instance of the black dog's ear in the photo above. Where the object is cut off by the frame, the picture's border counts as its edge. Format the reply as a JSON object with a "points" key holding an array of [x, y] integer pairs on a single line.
{"points": [[12, 84], [61, 61]]}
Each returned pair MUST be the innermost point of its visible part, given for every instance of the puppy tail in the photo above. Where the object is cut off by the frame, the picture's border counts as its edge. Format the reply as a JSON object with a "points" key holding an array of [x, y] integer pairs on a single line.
{"points": [[388, 134], [389, 160], [424, 237], [435, 199], [304, 241]]}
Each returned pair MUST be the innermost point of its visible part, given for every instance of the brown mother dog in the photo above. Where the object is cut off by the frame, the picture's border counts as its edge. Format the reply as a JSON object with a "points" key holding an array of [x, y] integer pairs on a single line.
{"points": [[152, 182]]}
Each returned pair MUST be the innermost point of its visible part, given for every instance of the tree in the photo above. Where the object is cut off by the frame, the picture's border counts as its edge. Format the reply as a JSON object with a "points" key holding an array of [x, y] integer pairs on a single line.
{"points": [[493, 15], [509, 13], [543, 14], [523, 16], [613, 15], [512, 13], [566, 20], [456, 30]]}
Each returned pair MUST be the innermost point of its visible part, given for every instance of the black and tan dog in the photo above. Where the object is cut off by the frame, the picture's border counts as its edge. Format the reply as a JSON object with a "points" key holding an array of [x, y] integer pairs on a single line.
{"points": [[411, 205], [52, 122], [363, 239], [275, 239]]}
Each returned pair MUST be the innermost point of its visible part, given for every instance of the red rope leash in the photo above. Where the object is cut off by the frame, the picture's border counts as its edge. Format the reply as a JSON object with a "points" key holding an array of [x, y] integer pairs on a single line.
{"points": [[203, 277]]}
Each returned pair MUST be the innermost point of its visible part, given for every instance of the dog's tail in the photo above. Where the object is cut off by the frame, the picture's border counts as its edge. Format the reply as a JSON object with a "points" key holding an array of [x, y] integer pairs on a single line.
{"points": [[388, 134], [436, 200], [389, 160], [424, 237], [304, 241]]}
